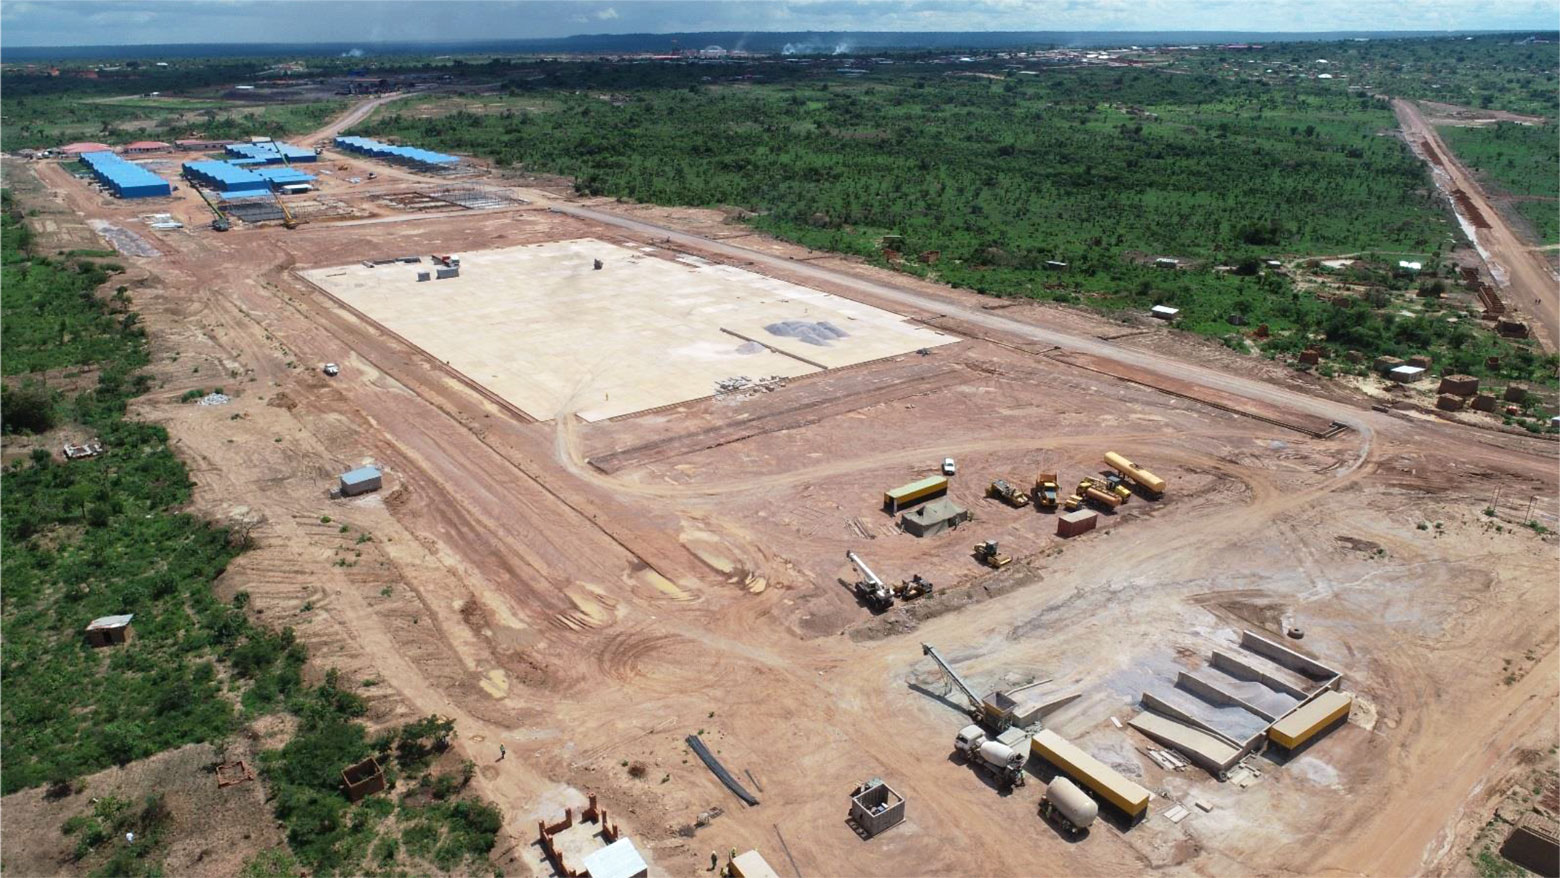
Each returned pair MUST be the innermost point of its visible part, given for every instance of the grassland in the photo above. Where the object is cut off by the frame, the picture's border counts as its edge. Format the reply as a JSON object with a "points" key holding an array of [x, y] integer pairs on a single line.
{"points": [[1519, 161]]}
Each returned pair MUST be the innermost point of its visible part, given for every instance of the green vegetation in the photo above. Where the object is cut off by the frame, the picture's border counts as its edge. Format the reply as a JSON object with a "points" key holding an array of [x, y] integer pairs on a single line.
{"points": [[1495, 71], [103, 536], [1522, 161], [979, 182], [53, 120]]}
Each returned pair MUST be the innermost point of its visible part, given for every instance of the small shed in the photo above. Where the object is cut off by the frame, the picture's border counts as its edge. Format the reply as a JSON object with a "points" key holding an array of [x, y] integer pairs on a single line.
{"points": [[930, 519], [875, 807], [1167, 262], [110, 630], [1406, 374], [1409, 267], [1164, 312], [751, 864], [363, 779], [1076, 522], [619, 859], [360, 481]]}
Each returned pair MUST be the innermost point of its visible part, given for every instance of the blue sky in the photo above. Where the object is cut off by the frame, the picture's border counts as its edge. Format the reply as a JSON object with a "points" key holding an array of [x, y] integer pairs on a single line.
{"points": [[128, 22]]}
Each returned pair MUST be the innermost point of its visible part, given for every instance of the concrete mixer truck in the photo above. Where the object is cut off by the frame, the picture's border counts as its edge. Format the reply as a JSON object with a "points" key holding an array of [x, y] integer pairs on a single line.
{"points": [[1002, 757]]}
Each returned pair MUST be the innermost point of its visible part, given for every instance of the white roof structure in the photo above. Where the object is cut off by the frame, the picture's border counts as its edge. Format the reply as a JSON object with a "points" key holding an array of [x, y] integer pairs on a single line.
{"points": [[1411, 266], [619, 859], [1164, 311], [1407, 373], [109, 622]]}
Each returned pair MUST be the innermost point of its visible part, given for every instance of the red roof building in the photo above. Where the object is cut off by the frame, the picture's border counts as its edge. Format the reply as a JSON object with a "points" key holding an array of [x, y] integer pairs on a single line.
{"points": [[147, 146], [79, 148]]}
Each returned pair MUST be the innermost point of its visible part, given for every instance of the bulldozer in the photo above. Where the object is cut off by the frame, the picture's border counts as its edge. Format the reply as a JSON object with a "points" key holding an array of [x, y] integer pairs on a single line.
{"points": [[915, 587], [1046, 491], [1074, 503], [986, 553], [1008, 494]]}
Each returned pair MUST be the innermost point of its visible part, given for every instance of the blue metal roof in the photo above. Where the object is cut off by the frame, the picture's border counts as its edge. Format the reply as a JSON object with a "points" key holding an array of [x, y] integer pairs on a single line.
{"points": [[411, 153], [360, 475], [283, 176], [124, 177], [225, 176], [271, 151]]}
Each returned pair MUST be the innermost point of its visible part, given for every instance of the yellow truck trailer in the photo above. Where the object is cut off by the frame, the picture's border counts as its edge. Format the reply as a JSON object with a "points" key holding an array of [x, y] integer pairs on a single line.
{"points": [[906, 496], [1146, 480], [1305, 722], [1085, 770]]}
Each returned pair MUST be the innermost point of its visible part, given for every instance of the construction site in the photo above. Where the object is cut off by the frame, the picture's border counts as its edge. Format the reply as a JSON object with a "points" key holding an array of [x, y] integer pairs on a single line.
{"points": [[771, 551]]}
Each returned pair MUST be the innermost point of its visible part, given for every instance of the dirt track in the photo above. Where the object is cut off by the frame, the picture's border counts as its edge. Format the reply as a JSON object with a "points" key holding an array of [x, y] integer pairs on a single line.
{"points": [[1530, 284], [590, 619]]}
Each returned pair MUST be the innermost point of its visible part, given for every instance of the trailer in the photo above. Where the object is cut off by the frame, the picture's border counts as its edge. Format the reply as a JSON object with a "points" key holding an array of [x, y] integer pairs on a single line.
{"points": [[1090, 773]]}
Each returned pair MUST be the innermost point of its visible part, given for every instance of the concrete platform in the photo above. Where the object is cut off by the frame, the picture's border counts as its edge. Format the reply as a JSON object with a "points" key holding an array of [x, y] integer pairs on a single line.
{"points": [[538, 326]]}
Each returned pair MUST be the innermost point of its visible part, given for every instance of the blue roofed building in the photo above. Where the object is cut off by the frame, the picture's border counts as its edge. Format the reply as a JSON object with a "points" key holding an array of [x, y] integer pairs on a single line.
{"points": [[225, 178], [279, 177], [271, 152], [408, 155], [360, 481], [125, 179]]}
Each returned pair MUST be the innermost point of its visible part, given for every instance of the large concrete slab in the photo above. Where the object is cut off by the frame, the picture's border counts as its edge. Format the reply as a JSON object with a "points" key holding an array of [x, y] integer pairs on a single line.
{"points": [[538, 326]]}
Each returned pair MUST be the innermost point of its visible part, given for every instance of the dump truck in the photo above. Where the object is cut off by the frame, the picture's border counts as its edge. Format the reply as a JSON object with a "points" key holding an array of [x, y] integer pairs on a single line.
{"points": [[912, 588], [1067, 806], [1008, 494], [1003, 760], [1046, 491], [987, 554], [1151, 484]]}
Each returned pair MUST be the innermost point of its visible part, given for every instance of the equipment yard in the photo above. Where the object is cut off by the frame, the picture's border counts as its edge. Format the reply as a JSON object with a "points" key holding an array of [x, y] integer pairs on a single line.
{"points": [[593, 540]]}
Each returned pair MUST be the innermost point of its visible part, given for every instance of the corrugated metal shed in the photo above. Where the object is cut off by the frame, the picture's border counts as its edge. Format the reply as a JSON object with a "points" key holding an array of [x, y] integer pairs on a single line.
{"points": [[283, 176], [225, 177], [271, 152], [371, 147], [125, 179]]}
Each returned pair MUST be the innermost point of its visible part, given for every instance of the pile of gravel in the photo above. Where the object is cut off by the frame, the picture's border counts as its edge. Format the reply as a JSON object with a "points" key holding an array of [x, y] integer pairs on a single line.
{"points": [[819, 333]]}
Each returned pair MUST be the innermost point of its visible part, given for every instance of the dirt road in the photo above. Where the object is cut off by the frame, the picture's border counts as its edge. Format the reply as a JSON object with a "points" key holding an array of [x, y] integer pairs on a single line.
{"points": [[351, 117], [1530, 284]]}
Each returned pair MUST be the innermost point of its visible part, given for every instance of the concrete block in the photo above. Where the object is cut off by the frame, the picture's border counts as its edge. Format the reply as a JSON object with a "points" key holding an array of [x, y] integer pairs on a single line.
{"points": [[1448, 402], [1516, 393], [1483, 403]]}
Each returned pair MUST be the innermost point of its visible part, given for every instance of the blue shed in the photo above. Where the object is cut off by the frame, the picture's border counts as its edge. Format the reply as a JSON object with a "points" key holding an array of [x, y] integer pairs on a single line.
{"points": [[224, 177], [125, 179], [360, 481]]}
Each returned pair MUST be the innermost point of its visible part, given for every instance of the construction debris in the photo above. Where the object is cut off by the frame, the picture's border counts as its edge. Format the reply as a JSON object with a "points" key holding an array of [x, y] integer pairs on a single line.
{"points": [[743, 385], [214, 399]]}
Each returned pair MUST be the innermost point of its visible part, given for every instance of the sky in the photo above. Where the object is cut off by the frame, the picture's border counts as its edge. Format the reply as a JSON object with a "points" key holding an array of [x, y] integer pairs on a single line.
{"points": [[131, 22]]}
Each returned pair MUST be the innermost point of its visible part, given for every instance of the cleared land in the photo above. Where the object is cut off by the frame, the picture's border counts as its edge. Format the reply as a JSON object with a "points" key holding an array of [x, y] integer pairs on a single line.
{"points": [[588, 593], [545, 330]]}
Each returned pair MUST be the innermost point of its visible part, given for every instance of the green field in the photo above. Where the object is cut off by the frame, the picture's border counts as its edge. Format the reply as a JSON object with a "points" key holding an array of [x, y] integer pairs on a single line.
{"points": [[1516, 160]]}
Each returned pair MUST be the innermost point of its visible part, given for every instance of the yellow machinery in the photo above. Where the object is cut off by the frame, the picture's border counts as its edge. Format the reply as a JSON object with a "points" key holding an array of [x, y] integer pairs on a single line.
{"points": [[288, 221], [1008, 494], [1046, 490], [915, 587], [987, 554], [1074, 502], [1153, 485]]}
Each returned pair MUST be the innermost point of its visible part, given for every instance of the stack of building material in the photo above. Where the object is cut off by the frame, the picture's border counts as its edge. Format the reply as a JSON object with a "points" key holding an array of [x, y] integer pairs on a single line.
{"points": [[1074, 523], [1449, 402], [1459, 385]]}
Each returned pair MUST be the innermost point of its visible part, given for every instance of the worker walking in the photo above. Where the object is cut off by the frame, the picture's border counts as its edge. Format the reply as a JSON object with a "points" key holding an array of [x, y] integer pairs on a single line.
{"points": [[714, 861], [502, 752]]}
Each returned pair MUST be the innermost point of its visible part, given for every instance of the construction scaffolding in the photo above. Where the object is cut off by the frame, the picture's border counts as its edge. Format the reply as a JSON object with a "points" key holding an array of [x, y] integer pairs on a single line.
{"points": [[476, 197], [257, 210]]}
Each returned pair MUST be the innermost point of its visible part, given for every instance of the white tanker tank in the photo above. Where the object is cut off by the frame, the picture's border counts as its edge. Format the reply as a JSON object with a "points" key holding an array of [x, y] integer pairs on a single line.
{"points": [[1069, 806]]}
